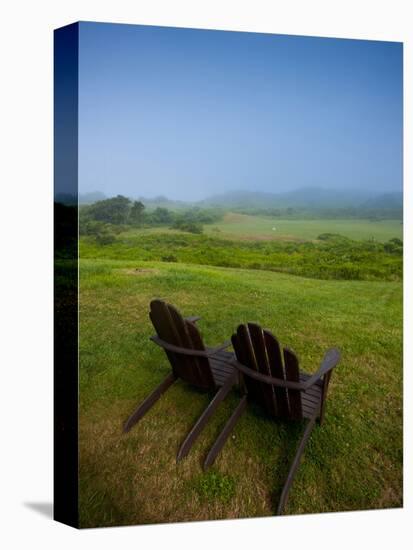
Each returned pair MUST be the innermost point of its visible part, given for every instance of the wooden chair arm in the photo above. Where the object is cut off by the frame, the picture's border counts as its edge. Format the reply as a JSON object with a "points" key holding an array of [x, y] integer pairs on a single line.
{"points": [[330, 360], [264, 377], [210, 352], [193, 318]]}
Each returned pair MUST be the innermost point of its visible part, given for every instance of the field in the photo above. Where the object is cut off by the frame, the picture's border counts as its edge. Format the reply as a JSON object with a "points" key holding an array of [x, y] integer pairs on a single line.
{"points": [[333, 257], [259, 227], [352, 462]]}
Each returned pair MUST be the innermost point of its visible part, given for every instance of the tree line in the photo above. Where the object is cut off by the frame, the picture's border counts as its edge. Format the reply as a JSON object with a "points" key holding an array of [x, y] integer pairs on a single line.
{"points": [[356, 212], [106, 218]]}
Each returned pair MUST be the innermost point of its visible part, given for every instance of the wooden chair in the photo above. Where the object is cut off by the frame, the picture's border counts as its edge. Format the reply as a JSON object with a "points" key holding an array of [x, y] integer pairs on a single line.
{"points": [[272, 378], [203, 367]]}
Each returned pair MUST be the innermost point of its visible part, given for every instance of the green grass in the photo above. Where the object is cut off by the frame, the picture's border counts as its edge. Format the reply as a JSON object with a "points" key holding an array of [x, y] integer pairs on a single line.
{"points": [[215, 486], [242, 226], [352, 462]]}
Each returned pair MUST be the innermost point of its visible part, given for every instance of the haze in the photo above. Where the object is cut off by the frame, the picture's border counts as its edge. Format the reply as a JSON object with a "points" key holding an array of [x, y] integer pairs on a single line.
{"points": [[190, 113]]}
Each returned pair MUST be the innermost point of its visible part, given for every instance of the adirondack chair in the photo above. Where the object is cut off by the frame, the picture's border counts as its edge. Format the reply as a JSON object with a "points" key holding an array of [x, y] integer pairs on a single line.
{"points": [[203, 367], [279, 386]]}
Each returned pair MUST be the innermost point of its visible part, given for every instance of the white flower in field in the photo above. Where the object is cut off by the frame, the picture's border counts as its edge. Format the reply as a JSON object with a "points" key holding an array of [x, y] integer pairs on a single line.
{"points": [[274, 229]]}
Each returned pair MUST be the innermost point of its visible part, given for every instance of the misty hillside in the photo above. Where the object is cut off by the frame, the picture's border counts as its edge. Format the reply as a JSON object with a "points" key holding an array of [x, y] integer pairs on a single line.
{"points": [[309, 197], [164, 202], [386, 200]]}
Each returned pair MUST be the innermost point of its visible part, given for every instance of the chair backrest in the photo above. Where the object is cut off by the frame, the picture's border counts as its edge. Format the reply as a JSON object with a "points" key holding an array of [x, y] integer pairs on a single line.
{"points": [[259, 350], [174, 329]]}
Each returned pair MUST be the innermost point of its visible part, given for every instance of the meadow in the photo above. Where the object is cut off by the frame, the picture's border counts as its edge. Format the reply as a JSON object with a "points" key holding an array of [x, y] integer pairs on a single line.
{"points": [[353, 462], [244, 226], [330, 257]]}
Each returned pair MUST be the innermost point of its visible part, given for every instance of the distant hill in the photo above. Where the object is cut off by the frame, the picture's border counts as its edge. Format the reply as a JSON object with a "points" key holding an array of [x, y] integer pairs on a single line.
{"points": [[308, 197], [159, 201], [385, 200], [163, 202]]}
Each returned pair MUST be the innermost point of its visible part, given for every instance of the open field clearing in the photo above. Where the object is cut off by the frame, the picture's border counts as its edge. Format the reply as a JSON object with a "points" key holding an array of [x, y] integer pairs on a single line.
{"points": [[243, 226]]}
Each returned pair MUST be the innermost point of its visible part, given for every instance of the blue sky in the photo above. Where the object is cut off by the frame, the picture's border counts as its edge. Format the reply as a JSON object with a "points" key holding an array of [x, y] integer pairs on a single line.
{"points": [[188, 113]]}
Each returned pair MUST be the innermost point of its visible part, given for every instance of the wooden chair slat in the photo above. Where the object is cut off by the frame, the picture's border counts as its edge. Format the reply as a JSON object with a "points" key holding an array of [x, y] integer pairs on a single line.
{"points": [[160, 318], [311, 398], [245, 355], [277, 371], [241, 357], [174, 329], [260, 354], [206, 378], [292, 373], [188, 366]]}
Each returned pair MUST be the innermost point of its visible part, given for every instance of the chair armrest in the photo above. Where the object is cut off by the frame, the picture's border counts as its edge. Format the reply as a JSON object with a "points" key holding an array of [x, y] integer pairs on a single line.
{"points": [[193, 318], [187, 351], [265, 377], [330, 360]]}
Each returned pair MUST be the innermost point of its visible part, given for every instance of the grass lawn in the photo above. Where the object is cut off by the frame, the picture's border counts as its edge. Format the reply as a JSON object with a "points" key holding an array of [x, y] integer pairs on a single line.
{"points": [[242, 226], [353, 462]]}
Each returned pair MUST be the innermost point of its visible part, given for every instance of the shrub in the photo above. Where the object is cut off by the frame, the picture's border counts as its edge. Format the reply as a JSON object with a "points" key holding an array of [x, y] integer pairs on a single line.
{"points": [[105, 238], [169, 258], [394, 246], [190, 227], [160, 216], [114, 210], [330, 237]]}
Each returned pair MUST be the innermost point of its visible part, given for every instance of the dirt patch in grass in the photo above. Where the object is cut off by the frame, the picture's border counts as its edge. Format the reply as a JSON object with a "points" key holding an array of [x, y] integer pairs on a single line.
{"points": [[140, 271]]}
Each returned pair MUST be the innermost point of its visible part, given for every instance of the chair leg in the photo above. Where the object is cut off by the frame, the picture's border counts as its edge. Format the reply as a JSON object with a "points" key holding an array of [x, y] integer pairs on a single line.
{"points": [[223, 436], [203, 419], [148, 402], [294, 465]]}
